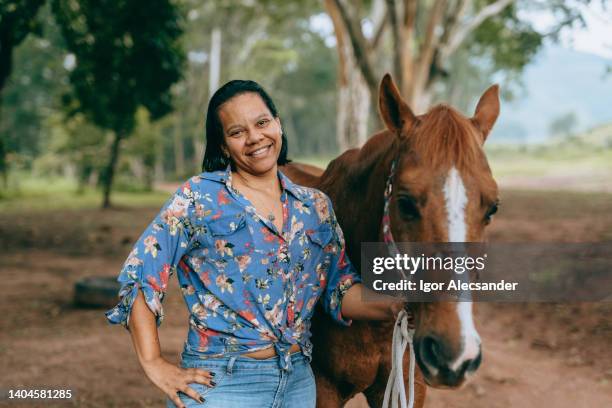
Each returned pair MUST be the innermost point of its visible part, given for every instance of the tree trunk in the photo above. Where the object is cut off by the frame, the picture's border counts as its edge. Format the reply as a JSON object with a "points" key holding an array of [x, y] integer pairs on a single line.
{"points": [[109, 171], [6, 65], [3, 164], [3, 152], [352, 111], [6, 56], [353, 92], [179, 152], [407, 47], [84, 174], [159, 161]]}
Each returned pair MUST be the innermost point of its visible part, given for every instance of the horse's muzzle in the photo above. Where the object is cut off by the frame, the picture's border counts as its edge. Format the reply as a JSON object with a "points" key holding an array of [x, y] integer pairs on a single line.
{"points": [[440, 367]]}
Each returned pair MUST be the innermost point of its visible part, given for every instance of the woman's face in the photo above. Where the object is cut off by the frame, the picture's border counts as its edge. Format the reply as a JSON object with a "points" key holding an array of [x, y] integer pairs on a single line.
{"points": [[251, 134]]}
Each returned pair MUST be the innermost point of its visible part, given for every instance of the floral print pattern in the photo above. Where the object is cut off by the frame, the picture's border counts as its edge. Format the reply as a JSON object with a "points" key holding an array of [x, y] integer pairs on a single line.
{"points": [[246, 285]]}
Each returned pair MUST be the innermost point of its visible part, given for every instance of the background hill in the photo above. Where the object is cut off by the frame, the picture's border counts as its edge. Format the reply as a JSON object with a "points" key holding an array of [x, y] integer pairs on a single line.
{"points": [[559, 83]]}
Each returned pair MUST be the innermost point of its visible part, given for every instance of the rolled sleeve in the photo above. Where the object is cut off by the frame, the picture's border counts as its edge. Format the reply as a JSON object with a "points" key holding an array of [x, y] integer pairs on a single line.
{"points": [[341, 275], [154, 257]]}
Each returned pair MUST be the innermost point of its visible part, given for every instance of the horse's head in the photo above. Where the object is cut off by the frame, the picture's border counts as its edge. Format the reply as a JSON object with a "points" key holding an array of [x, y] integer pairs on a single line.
{"points": [[443, 191]]}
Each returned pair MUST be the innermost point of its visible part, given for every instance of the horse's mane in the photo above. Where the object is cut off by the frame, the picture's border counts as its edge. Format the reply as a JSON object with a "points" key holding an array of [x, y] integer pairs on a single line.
{"points": [[353, 163], [444, 137]]}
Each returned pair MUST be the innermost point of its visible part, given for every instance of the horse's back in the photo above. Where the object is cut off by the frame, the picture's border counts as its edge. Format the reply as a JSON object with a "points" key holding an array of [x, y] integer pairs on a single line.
{"points": [[302, 173]]}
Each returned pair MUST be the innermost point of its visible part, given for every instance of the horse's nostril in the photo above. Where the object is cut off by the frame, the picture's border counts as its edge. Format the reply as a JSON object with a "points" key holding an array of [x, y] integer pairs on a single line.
{"points": [[475, 363], [432, 352]]}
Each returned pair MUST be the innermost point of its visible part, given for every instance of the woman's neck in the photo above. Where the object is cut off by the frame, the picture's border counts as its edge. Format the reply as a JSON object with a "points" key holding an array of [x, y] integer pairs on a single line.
{"points": [[267, 182]]}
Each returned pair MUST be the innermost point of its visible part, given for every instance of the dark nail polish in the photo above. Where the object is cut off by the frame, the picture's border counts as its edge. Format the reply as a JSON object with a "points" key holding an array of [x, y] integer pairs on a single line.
{"points": [[212, 374], [201, 399], [212, 383]]}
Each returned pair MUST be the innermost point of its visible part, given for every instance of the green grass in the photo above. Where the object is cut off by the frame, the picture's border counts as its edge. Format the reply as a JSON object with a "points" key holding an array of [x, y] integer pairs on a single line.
{"points": [[549, 160], [52, 193]]}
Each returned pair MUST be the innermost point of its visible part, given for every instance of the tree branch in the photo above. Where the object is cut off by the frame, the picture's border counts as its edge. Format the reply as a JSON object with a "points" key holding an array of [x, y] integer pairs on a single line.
{"points": [[379, 29], [427, 50], [339, 29], [397, 45], [486, 12], [359, 46], [408, 28], [431, 37], [454, 17]]}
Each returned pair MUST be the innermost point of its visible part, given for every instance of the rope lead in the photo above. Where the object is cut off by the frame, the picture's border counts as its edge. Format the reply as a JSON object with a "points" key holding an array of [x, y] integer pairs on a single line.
{"points": [[395, 391]]}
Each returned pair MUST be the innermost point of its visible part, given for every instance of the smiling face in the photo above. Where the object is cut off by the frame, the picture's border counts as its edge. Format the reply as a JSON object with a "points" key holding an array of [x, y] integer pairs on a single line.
{"points": [[251, 134]]}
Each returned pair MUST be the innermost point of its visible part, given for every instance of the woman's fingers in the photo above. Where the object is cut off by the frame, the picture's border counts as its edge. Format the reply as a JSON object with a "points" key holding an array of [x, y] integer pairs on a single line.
{"points": [[201, 376], [200, 379], [192, 393], [176, 400], [199, 371], [192, 375]]}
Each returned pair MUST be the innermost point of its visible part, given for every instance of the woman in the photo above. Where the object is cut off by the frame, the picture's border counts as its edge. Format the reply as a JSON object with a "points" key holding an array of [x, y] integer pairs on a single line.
{"points": [[253, 253]]}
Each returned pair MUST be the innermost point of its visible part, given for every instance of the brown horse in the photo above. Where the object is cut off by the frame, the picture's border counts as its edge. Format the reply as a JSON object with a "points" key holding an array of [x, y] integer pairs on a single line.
{"points": [[443, 191]]}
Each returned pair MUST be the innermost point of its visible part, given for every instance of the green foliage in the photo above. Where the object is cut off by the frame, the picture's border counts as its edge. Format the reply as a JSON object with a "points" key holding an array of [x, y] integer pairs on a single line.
{"points": [[307, 98], [127, 55], [73, 145], [141, 151], [32, 93], [17, 20], [510, 42], [502, 46]]}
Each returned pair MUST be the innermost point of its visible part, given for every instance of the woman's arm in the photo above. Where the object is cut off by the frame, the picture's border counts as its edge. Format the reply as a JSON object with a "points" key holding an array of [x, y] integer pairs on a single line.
{"points": [[344, 292], [354, 307], [144, 278], [143, 330], [165, 375]]}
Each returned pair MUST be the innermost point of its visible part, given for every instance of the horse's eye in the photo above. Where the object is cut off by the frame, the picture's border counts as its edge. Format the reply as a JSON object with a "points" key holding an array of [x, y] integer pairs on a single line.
{"points": [[408, 207], [489, 214]]}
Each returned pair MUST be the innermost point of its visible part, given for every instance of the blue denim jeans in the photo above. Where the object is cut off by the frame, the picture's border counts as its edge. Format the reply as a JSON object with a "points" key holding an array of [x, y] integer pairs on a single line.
{"points": [[252, 383]]}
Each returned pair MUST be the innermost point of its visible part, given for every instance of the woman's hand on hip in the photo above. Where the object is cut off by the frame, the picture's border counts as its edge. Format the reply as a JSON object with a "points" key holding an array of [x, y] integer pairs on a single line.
{"points": [[171, 379]]}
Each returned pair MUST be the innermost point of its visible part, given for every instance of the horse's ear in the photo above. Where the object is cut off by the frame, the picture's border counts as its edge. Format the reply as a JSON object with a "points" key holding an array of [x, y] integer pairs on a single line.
{"points": [[487, 111], [393, 110]]}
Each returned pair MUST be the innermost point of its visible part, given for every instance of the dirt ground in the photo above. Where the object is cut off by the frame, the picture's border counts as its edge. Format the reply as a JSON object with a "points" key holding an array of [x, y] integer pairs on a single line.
{"points": [[535, 355]]}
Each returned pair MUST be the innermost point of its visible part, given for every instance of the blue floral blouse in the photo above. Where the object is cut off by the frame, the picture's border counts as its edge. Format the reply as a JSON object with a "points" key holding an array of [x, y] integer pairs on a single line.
{"points": [[247, 285]]}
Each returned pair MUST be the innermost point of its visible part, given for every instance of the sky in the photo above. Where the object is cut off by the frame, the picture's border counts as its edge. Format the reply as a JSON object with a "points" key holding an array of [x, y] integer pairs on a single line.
{"points": [[595, 38]]}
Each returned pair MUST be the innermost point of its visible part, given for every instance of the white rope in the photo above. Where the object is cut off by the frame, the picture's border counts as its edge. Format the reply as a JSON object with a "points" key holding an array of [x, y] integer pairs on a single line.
{"points": [[395, 391]]}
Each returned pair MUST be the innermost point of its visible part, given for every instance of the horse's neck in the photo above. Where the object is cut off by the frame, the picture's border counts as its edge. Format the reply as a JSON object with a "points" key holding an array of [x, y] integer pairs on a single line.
{"points": [[355, 182]]}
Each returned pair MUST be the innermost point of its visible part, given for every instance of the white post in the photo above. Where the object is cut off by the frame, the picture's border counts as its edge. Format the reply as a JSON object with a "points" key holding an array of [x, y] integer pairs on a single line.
{"points": [[215, 61]]}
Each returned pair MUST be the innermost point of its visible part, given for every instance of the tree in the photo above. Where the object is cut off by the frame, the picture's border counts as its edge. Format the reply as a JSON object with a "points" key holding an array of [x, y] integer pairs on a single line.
{"points": [[564, 125], [425, 35], [128, 55], [17, 20], [74, 142]]}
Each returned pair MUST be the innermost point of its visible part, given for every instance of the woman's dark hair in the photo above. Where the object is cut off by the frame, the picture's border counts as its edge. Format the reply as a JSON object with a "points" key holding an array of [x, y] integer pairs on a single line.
{"points": [[214, 159]]}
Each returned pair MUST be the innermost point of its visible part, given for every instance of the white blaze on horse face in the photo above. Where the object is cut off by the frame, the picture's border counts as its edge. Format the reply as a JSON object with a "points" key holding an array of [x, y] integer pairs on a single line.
{"points": [[456, 202], [469, 336]]}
